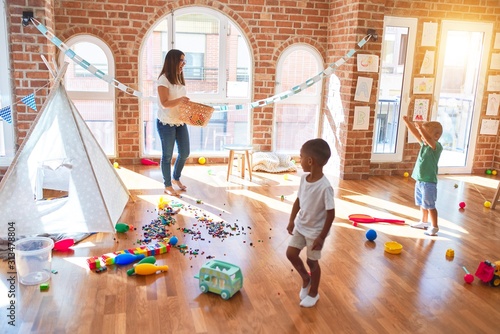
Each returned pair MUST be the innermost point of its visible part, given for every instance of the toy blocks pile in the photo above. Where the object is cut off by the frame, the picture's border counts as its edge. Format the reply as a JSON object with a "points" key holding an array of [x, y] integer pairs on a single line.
{"points": [[97, 262]]}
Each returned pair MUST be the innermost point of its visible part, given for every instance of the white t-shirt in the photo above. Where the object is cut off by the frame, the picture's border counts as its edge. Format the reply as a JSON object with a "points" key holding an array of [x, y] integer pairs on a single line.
{"points": [[315, 199], [170, 115]]}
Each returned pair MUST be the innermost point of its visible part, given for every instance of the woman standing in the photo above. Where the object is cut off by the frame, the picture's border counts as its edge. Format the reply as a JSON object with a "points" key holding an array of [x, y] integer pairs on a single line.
{"points": [[171, 94]]}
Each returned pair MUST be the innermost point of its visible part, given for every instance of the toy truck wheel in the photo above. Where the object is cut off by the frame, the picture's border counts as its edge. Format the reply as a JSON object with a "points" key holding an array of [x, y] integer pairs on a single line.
{"points": [[495, 282], [225, 294], [204, 288]]}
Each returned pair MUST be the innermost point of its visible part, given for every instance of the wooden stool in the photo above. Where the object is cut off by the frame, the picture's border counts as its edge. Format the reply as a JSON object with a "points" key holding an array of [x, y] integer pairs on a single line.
{"points": [[495, 198], [242, 153]]}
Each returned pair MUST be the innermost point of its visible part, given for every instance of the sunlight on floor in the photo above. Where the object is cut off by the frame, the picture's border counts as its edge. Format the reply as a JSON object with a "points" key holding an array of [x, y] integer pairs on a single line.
{"points": [[272, 203], [477, 180], [345, 205], [83, 244], [136, 181], [78, 261]]}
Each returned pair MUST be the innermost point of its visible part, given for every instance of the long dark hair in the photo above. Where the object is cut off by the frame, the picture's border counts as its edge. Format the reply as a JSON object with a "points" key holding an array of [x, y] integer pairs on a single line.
{"points": [[170, 66]]}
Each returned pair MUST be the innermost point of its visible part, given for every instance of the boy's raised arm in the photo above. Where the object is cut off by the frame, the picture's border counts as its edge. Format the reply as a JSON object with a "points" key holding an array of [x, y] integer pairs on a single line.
{"points": [[412, 129]]}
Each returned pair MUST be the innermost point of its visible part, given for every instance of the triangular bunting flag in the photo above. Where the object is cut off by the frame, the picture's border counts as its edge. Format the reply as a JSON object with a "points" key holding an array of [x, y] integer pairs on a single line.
{"points": [[6, 114], [29, 100]]}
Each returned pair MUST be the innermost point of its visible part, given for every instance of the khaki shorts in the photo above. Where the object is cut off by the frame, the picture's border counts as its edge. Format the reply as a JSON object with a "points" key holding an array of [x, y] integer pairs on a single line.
{"points": [[299, 241]]}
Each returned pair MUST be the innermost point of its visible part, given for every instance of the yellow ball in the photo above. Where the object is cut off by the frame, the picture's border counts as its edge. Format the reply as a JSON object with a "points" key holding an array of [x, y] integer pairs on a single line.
{"points": [[116, 165], [285, 177], [487, 204], [493, 172], [406, 174], [202, 160]]}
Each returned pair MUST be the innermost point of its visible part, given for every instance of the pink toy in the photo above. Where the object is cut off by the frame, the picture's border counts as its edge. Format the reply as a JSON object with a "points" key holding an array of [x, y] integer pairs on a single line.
{"points": [[148, 162], [63, 245], [485, 271], [461, 205], [468, 278]]}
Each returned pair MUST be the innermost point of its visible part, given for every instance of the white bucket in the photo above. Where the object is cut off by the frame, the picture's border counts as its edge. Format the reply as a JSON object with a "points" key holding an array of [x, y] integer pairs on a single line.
{"points": [[33, 259]]}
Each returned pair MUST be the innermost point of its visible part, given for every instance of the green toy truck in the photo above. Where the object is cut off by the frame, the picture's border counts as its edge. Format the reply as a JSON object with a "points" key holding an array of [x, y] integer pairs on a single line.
{"points": [[221, 278]]}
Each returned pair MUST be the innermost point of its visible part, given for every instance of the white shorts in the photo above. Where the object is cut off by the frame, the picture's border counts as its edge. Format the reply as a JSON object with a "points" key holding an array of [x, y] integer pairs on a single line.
{"points": [[299, 241]]}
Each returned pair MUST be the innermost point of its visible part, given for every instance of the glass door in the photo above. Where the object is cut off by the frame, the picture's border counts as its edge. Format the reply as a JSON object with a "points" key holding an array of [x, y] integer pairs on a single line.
{"points": [[460, 80]]}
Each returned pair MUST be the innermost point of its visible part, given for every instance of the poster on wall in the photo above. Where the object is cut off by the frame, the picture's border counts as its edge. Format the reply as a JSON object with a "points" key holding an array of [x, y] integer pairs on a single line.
{"points": [[428, 63], [489, 127], [420, 110], [361, 118], [429, 34], [495, 61], [363, 89], [493, 103], [423, 85], [367, 63], [493, 83], [497, 41]]}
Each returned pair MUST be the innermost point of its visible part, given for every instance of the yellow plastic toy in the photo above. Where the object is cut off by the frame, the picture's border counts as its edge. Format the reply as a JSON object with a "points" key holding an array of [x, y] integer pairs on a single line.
{"points": [[149, 268], [393, 247], [450, 252]]}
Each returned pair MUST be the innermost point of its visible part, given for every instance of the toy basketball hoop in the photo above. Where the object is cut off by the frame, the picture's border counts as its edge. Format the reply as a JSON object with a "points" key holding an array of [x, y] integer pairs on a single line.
{"points": [[196, 114]]}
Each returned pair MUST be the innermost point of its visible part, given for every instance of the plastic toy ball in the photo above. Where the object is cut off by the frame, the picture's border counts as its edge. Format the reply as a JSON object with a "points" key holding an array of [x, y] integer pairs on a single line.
{"points": [[450, 252], [488, 171], [202, 160], [173, 241], [406, 174], [285, 177], [468, 278], [493, 172], [461, 205], [456, 186], [487, 204], [116, 165], [371, 235]]}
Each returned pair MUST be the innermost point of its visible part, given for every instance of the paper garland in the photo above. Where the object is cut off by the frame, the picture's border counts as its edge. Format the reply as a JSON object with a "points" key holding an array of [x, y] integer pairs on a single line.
{"points": [[279, 97]]}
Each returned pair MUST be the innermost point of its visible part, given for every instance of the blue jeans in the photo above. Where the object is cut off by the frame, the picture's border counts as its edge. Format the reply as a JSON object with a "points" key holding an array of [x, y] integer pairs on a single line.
{"points": [[169, 136]]}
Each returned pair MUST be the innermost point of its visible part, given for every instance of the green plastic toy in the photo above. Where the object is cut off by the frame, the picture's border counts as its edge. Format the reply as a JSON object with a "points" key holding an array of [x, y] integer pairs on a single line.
{"points": [[221, 278]]}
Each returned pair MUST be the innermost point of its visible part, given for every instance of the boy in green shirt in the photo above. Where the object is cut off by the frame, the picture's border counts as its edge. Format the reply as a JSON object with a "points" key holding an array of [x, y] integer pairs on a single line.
{"points": [[425, 171]]}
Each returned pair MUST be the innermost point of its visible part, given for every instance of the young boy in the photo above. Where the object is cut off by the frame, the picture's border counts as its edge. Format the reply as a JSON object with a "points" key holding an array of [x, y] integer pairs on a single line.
{"points": [[311, 218], [425, 172]]}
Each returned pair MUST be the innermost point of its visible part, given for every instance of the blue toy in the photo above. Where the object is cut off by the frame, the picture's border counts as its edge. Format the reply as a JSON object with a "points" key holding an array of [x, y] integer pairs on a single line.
{"points": [[371, 235], [173, 241]]}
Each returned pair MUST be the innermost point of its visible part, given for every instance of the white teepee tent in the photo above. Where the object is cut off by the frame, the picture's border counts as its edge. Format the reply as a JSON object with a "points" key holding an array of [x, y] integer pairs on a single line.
{"points": [[61, 154]]}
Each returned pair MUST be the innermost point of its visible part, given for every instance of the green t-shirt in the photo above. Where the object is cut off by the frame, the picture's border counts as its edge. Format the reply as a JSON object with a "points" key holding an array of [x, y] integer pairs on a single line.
{"points": [[426, 167]]}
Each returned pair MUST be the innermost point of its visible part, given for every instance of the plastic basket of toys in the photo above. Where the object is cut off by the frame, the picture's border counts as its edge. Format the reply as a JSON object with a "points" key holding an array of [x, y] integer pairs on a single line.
{"points": [[196, 114]]}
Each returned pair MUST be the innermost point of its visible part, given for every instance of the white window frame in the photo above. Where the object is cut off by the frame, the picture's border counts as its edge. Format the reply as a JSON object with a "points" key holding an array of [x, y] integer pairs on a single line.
{"points": [[411, 24], [6, 130], [218, 98], [298, 98], [110, 93]]}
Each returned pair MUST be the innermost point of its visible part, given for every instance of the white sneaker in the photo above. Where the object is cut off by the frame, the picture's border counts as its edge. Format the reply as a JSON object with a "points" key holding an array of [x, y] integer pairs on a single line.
{"points": [[421, 225], [432, 231], [305, 291], [309, 301]]}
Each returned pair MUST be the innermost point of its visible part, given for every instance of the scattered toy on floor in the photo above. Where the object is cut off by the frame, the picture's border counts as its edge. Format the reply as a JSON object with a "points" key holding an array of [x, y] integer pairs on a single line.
{"points": [[468, 278], [221, 278], [371, 235]]}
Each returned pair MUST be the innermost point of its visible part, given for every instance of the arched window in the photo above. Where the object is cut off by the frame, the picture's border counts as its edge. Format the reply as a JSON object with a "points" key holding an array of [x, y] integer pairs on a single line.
{"points": [[93, 97], [218, 72], [296, 118], [6, 129]]}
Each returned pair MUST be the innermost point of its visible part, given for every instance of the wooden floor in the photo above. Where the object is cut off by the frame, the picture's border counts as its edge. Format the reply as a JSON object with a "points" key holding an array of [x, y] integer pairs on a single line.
{"points": [[363, 289]]}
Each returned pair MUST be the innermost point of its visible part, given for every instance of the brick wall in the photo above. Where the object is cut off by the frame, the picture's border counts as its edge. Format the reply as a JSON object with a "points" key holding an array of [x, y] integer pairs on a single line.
{"points": [[333, 27]]}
